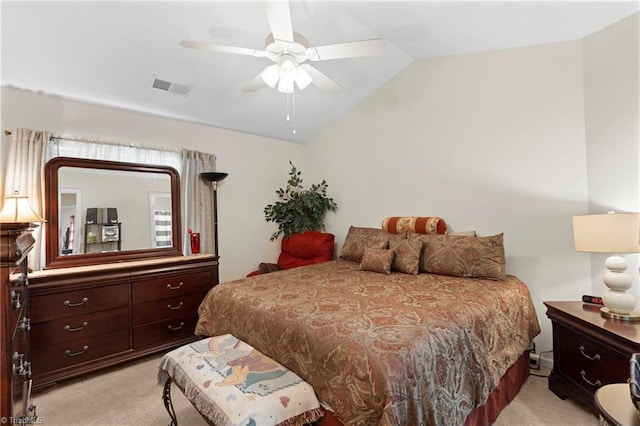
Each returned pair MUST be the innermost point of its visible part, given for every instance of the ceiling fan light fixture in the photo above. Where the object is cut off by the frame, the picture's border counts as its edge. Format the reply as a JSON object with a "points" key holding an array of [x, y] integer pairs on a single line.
{"points": [[271, 75], [303, 79], [288, 71], [285, 86]]}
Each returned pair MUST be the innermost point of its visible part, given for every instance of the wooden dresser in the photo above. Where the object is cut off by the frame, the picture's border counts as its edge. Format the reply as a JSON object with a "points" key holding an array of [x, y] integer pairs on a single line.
{"points": [[589, 351], [15, 360], [87, 318]]}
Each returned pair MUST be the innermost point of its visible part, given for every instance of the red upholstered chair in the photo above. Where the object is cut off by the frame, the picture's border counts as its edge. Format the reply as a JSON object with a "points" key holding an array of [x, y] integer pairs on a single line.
{"points": [[301, 249]]}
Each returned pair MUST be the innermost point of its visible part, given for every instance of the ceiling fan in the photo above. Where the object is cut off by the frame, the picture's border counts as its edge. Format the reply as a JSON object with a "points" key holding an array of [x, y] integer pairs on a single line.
{"points": [[289, 51]]}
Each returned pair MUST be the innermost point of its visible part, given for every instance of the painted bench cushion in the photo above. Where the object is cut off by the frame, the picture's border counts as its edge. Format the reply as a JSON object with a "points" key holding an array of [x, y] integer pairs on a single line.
{"points": [[231, 383]]}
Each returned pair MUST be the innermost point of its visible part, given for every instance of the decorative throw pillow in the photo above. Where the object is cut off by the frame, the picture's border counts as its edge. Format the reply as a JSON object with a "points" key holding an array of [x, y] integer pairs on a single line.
{"points": [[406, 256], [461, 256], [358, 239], [265, 268], [418, 224], [377, 260]]}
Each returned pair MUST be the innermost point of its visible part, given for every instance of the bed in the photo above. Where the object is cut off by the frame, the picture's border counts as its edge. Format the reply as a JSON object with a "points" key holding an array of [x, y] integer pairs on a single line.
{"points": [[386, 343]]}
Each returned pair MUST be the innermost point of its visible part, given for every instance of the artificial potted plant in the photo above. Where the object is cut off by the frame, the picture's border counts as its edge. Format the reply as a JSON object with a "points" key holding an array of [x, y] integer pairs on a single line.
{"points": [[298, 209]]}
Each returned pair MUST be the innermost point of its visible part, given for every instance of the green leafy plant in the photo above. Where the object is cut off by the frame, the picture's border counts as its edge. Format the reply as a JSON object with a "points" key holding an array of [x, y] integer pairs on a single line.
{"points": [[299, 209]]}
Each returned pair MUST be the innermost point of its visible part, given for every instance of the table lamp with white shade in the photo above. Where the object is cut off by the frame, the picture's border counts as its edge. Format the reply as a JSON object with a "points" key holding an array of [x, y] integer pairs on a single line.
{"points": [[614, 233], [17, 210]]}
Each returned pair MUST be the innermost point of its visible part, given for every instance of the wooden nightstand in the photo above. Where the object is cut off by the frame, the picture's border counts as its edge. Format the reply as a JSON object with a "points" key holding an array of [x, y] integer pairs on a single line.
{"points": [[589, 351]]}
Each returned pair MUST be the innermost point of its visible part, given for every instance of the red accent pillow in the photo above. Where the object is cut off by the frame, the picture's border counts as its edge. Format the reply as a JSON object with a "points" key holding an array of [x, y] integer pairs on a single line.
{"points": [[306, 249]]}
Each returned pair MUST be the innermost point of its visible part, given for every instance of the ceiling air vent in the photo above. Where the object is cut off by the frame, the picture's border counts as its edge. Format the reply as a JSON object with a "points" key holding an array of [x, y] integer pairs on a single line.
{"points": [[167, 86]]}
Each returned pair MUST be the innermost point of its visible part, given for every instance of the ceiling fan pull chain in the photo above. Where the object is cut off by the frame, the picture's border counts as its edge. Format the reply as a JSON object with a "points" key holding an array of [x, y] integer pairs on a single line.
{"points": [[293, 98], [288, 117]]}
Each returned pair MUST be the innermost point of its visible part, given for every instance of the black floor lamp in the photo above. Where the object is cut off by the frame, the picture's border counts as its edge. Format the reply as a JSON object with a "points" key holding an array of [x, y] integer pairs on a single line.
{"points": [[214, 178]]}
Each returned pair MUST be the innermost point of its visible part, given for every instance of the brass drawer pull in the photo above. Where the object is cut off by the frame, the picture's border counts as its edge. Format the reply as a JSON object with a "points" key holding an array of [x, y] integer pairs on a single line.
{"points": [[15, 300], [84, 349], [596, 357], [170, 287], [174, 308], [70, 329], [596, 384], [176, 328], [73, 305], [25, 324]]}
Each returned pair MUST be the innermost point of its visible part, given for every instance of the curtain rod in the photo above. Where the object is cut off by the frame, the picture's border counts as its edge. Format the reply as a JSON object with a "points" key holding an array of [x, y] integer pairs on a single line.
{"points": [[106, 142], [103, 141]]}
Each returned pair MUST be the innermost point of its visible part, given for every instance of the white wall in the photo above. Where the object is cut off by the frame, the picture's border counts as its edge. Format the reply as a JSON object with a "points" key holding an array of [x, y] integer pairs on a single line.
{"points": [[257, 166], [612, 111], [492, 141]]}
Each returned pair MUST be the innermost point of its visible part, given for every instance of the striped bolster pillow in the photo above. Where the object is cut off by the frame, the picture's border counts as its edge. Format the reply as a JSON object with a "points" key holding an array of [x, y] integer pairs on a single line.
{"points": [[418, 224]]}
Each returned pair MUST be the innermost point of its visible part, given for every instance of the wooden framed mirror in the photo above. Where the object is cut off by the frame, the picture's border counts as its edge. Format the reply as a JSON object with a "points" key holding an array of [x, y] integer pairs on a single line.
{"points": [[107, 211]]}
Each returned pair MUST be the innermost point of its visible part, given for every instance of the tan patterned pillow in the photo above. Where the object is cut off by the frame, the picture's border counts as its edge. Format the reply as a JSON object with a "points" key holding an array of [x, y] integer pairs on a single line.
{"points": [[358, 239], [377, 260], [462, 256], [406, 256]]}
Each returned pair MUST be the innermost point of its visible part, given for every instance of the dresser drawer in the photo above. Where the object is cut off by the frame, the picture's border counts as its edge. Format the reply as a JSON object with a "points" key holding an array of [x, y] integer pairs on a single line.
{"points": [[170, 286], [167, 308], [78, 351], [50, 333], [164, 331], [78, 302], [588, 363]]}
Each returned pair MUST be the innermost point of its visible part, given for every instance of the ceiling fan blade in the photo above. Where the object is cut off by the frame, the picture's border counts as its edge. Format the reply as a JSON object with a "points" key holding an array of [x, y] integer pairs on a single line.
{"points": [[351, 49], [321, 80], [222, 48], [279, 17], [256, 84]]}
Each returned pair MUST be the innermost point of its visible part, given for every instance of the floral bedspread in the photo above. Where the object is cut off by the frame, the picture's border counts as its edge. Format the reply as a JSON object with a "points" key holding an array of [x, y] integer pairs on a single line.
{"points": [[392, 349]]}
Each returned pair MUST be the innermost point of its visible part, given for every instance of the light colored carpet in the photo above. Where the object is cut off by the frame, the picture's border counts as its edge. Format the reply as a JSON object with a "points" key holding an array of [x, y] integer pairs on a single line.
{"points": [[130, 396]]}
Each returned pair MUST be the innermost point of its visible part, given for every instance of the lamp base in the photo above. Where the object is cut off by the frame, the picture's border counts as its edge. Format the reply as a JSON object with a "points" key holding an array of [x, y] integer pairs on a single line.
{"points": [[630, 317]]}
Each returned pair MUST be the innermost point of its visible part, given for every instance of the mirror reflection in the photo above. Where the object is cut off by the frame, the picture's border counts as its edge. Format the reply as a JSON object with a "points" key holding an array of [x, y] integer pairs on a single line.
{"points": [[103, 211]]}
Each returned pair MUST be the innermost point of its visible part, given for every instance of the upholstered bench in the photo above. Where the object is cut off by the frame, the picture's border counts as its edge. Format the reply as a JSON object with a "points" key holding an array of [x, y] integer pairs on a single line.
{"points": [[231, 383]]}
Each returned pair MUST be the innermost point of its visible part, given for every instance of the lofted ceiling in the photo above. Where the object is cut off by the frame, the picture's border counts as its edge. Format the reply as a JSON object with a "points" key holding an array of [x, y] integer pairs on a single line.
{"points": [[110, 53]]}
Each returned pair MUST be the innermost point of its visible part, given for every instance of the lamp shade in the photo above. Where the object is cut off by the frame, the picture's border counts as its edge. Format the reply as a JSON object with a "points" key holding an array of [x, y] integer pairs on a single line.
{"points": [[607, 233], [16, 209], [214, 176]]}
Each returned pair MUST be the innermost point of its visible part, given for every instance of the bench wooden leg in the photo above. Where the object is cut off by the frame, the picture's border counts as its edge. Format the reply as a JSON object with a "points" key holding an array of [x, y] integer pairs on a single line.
{"points": [[166, 398]]}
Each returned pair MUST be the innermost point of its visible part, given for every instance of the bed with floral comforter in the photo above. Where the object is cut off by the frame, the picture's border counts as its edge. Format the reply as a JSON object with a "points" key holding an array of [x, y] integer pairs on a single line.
{"points": [[388, 349]]}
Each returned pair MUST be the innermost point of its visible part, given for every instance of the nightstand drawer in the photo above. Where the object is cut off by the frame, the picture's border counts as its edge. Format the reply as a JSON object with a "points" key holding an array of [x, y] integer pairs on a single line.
{"points": [[589, 363]]}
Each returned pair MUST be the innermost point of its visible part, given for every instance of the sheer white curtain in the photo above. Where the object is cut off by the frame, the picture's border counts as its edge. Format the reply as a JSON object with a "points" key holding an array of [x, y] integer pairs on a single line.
{"points": [[26, 157], [197, 199], [102, 149]]}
